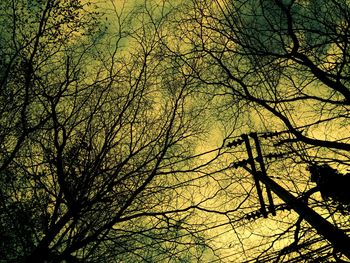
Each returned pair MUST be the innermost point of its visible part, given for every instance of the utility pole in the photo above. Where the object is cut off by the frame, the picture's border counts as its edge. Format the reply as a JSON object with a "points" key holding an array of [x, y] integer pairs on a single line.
{"points": [[338, 238]]}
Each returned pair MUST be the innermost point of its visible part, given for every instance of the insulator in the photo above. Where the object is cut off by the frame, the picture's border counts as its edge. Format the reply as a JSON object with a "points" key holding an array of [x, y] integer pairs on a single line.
{"points": [[269, 135], [240, 163], [269, 156], [254, 215], [235, 143], [230, 144], [235, 165], [274, 155], [257, 214]]}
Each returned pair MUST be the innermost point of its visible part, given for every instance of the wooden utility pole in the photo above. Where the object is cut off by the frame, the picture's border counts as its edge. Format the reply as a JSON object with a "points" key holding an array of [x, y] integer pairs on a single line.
{"points": [[338, 238], [255, 175]]}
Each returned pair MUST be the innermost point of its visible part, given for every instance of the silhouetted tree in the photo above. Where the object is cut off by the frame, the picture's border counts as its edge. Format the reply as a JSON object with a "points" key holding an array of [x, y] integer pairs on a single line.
{"points": [[277, 65], [97, 139]]}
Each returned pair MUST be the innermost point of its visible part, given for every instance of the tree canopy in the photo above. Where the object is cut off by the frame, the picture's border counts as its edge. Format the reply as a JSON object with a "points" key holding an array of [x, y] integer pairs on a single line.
{"points": [[126, 130]]}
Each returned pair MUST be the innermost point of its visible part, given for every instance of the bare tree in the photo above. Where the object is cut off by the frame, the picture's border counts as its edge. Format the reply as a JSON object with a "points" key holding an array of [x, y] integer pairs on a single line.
{"points": [[98, 140], [279, 65]]}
